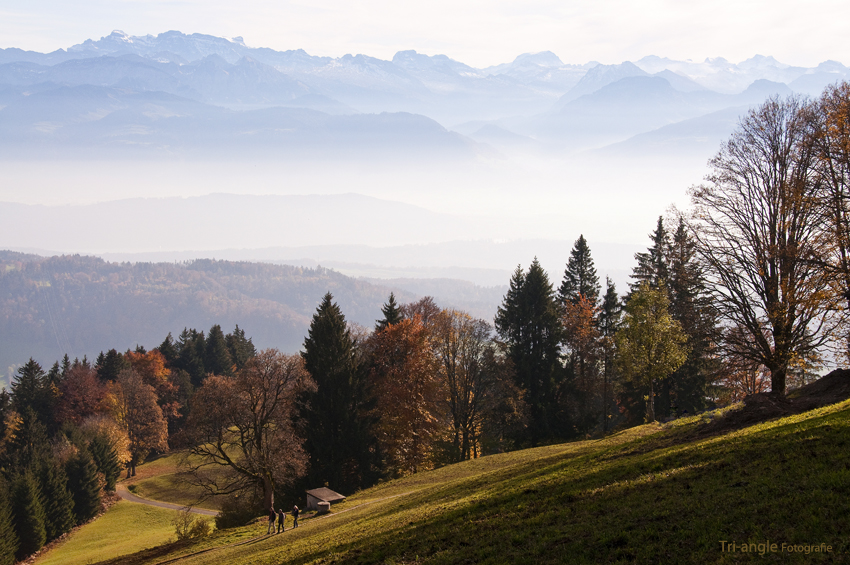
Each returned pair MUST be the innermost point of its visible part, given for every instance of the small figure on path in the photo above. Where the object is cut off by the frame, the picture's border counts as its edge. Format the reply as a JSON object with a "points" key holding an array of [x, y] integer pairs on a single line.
{"points": [[295, 513], [272, 516], [281, 520]]}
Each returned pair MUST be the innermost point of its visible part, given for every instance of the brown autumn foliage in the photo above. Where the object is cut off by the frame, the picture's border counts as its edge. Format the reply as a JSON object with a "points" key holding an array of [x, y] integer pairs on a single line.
{"points": [[133, 404], [80, 394], [582, 341], [242, 427], [405, 377], [460, 343], [151, 367]]}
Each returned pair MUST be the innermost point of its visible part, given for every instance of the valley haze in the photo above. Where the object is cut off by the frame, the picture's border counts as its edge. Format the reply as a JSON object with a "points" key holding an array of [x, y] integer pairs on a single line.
{"points": [[173, 147]]}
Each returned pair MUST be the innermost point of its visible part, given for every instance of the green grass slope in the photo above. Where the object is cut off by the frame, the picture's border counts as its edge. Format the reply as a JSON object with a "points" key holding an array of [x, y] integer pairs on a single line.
{"points": [[124, 528], [653, 494], [160, 480]]}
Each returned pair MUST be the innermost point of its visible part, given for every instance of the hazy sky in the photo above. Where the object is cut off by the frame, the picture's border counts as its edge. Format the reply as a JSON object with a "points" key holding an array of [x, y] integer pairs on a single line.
{"points": [[477, 32]]}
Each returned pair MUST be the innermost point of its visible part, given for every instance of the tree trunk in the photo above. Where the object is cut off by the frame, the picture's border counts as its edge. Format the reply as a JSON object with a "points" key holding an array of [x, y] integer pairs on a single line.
{"points": [[650, 405], [268, 493], [777, 381]]}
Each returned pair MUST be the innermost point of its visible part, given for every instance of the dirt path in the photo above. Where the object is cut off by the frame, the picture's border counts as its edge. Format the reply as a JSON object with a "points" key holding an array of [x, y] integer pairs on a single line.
{"points": [[130, 497], [266, 536]]}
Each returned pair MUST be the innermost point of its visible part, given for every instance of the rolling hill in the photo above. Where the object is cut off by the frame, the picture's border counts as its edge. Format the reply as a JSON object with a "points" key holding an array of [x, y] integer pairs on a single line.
{"points": [[680, 492]]}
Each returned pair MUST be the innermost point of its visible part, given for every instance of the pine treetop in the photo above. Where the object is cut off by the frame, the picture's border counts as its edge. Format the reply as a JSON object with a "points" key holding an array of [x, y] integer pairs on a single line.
{"points": [[580, 278]]}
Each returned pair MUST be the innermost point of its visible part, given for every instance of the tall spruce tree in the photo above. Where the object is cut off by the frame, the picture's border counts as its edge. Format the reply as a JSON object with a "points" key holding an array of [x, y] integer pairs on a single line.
{"points": [[392, 314], [84, 485], [169, 349], [106, 460], [692, 308], [9, 541], [32, 391], [529, 323], [217, 358], [610, 315], [56, 500], [337, 429], [580, 276], [192, 349], [110, 365], [28, 515], [653, 266], [241, 348]]}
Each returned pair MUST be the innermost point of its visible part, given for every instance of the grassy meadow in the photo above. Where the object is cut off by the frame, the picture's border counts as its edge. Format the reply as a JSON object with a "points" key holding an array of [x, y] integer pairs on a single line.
{"points": [[124, 528], [158, 480], [656, 493]]}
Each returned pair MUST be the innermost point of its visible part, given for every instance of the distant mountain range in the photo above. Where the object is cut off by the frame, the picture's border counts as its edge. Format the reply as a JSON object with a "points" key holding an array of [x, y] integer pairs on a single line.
{"points": [[177, 94]]}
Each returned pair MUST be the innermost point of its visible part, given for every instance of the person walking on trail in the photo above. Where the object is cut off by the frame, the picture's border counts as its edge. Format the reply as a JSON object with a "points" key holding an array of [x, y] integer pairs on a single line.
{"points": [[295, 513], [272, 516], [281, 520]]}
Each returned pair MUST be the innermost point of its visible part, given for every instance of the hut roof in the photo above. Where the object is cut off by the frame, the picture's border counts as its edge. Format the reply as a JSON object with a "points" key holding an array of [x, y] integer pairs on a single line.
{"points": [[325, 494]]}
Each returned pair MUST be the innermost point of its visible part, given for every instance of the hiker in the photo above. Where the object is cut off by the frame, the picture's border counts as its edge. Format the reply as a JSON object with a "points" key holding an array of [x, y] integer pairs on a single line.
{"points": [[295, 512], [281, 520], [272, 516]]}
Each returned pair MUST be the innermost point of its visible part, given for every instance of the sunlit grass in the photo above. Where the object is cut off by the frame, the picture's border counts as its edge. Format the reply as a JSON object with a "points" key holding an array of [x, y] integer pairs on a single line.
{"points": [[125, 528], [648, 494]]}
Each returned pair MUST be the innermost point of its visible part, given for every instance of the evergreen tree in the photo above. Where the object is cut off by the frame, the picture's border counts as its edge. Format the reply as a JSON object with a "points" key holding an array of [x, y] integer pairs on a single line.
{"points": [[610, 314], [529, 323], [692, 308], [110, 365], [106, 460], [30, 440], [653, 265], [54, 375], [84, 485], [216, 355], [392, 314], [337, 431], [241, 348], [192, 348], [580, 276], [66, 365], [28, 515], [56, 500], [169, 349], [8, 536], [32, 391]]}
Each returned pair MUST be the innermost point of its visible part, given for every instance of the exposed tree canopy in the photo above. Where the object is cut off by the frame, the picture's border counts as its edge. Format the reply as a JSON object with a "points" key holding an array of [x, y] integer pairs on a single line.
{"points": [[242, 427], [758, 224]]}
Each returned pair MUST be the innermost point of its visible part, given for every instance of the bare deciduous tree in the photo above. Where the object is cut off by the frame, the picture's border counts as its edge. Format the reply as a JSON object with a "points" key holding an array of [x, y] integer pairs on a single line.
{"points": [[757, 224], [831, 139], [460, 343], [242, 427]]}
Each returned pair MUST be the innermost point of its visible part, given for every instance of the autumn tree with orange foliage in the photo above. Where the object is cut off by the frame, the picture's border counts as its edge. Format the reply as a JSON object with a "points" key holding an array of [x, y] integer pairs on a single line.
{"points": [[80, 394], [461, 343], [133, 404], [407, 389], [243, 428], [152, 368], [582, 349]]}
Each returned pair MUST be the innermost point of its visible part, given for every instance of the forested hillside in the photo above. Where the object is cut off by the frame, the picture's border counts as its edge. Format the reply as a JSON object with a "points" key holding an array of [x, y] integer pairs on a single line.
{"points": [[82, 305]]}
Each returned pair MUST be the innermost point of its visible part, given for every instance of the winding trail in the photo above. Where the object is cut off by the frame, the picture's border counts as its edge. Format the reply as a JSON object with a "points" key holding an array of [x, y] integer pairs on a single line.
{"points": [[122, 491], [267, 536]]}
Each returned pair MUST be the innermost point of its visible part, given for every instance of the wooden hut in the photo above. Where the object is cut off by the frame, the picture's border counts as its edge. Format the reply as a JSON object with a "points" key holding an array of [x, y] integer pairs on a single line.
{"points": [[317, 495]]}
